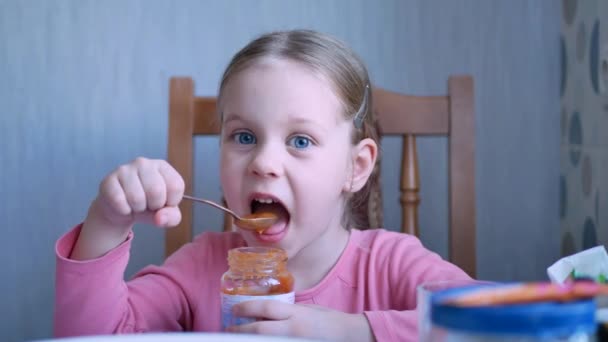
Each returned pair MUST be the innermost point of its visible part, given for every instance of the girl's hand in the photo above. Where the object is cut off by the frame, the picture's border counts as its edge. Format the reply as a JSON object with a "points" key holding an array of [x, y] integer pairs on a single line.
{"points": [[143, 191], [301, 320]]}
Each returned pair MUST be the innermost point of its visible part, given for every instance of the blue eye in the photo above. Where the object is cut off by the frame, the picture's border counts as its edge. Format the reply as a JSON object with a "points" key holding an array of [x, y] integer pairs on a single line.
{"points": [[244, 138], [299, 142]]}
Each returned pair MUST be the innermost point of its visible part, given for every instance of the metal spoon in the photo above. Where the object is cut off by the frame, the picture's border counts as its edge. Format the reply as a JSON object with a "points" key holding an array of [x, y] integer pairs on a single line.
{"points": [[258, 222]]}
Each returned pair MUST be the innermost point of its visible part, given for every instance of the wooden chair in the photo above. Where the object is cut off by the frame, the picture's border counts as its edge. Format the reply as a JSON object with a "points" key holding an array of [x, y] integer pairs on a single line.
{"points": [[450, 115]]}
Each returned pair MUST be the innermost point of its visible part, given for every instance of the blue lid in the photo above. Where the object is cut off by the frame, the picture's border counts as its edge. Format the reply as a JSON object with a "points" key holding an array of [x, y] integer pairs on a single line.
{"points": [[544, 319]]}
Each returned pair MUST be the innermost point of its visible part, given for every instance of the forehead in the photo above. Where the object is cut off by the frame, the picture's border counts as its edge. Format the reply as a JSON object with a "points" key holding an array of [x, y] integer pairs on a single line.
{"points": [[279, 86]]}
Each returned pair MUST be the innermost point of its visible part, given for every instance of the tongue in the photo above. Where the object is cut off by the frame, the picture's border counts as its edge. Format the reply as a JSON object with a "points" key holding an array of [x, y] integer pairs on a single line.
{"points": [[277, 210]]}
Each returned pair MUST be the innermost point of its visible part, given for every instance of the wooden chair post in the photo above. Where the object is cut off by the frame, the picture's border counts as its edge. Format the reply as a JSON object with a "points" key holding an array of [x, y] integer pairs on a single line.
{"points": [[180, 150], [228, 223], [462, 174], [410, 186]]}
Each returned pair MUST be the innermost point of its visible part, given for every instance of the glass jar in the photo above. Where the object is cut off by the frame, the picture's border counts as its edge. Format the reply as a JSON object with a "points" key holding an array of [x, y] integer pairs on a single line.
{"points": [[255, 273], [530, 322]]}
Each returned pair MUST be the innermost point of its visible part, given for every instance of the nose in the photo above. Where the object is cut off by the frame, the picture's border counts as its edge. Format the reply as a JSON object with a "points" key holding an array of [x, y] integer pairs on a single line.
{"points": [[266, 162]]}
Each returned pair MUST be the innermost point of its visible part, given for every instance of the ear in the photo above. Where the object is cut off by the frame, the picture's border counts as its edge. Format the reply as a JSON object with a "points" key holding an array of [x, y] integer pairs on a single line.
{"points": [[364, 156]]}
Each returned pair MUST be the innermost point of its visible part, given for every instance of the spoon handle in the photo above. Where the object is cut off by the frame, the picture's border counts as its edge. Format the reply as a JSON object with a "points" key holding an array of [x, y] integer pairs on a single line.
{"points": [[213, 204]]}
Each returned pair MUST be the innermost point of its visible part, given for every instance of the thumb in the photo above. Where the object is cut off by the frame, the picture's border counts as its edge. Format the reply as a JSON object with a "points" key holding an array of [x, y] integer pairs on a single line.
{"points": [[167, 217]]}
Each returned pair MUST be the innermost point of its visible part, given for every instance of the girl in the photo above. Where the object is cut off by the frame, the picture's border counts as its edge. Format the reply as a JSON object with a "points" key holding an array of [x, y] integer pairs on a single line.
{"points": [[297, 128]]}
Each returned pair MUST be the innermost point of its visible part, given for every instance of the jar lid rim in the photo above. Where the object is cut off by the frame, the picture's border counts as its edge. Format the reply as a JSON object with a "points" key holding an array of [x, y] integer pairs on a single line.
{"points": [[531, 319]]}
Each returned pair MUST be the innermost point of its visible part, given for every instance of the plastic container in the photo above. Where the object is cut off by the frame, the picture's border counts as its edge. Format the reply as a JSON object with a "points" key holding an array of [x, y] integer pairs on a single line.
{"points": [[255, 273], [423, 298], [545, 321], [601, 316]]}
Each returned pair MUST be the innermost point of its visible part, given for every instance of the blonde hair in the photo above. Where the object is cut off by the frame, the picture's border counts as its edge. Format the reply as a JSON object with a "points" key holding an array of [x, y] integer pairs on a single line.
{"points": [[350, 80]]}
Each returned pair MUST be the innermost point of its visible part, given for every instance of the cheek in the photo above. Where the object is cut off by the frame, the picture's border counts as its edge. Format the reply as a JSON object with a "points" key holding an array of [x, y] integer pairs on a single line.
{"points": [[230, 162], [230, 180], [323, 184], [334, 170], [224, 169], [318, 202]]}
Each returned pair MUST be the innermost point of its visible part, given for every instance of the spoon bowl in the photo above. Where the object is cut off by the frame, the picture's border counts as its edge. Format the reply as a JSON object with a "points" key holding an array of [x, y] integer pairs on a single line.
{"points": [[257, 222]]}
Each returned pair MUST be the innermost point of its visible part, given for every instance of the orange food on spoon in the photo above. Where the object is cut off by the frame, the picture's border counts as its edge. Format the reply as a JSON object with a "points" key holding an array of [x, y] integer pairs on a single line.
{"points": [[253, 225]]}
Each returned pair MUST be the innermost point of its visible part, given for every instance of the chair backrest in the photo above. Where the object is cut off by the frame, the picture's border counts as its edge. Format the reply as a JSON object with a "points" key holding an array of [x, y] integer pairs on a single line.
{"points": [[450, 115]]}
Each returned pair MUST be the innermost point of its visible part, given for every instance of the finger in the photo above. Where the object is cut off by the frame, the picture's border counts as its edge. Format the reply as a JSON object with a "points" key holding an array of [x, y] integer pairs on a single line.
{"points": [[131, 185], [174, 183], [147, 217], [266, 309], [154, 187], [262, 328], [168, 217], [112, 193], [316, 307]]}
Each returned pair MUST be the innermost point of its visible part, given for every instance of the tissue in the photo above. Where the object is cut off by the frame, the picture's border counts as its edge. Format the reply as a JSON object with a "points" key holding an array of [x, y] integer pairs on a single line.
{"points": [[591, 264]]}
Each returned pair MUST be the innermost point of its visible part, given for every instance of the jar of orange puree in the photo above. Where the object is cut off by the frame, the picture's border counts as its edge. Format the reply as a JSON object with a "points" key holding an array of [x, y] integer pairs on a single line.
{"points": [[255, 273]]}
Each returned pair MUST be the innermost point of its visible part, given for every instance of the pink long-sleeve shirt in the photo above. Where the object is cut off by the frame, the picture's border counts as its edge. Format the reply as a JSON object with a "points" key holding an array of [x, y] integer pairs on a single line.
{"points": [[377, 274]]}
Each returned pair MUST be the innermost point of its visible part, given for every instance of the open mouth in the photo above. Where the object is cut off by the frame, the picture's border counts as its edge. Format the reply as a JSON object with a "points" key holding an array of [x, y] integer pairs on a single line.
{"points": [[265, 204]]}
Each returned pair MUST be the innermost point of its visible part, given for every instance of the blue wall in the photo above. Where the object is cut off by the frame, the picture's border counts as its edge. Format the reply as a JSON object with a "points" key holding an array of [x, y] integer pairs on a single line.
{"points": [[83, 88]]}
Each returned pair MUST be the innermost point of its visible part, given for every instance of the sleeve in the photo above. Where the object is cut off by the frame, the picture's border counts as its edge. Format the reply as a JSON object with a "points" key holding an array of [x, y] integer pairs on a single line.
{"points": [[91, 297], [402, 264]]}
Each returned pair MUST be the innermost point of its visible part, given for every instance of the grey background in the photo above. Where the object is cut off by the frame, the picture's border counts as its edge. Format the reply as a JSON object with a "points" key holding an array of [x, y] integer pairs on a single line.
{"points": [[83, 89]]}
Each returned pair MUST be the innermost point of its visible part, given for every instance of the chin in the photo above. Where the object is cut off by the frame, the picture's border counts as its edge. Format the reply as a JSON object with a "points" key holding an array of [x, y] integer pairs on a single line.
{"points": [[277, 240]]}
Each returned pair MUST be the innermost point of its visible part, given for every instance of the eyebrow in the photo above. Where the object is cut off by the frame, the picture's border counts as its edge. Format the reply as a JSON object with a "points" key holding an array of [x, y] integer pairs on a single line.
{"points": [[306, 121], [231, 117], [298, 120]]}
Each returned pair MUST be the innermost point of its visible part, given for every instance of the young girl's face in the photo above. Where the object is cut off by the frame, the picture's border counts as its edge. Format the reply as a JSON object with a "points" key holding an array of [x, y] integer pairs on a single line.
{"points": [[285, 139]]}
